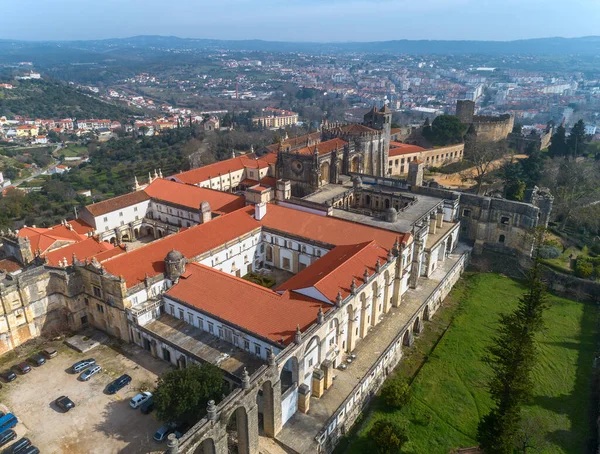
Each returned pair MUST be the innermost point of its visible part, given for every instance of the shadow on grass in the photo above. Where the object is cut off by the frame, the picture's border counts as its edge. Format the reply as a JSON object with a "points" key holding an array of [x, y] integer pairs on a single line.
{"points": [[580, 406]]}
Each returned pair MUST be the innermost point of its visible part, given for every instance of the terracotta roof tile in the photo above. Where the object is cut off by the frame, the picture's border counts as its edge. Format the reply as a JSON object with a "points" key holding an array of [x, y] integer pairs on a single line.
{"points": [[257, 309], [323, 147], [196, 176], [192, 196], [334, 272], [85, 249], [117, 203], [44, 239], [398, 149]]}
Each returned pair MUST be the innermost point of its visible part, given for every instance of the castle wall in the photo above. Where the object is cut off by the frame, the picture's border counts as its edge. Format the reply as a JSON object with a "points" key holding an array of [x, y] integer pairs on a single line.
{"points": [[492, 129]]}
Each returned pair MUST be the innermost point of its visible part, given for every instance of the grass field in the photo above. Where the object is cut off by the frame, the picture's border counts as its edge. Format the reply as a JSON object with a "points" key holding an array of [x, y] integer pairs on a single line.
{"points": [[73, 150], [449, 393]]}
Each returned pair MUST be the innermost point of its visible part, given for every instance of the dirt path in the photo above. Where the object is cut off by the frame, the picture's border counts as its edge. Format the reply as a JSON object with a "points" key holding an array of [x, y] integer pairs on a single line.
{"points": [[464, 179]]}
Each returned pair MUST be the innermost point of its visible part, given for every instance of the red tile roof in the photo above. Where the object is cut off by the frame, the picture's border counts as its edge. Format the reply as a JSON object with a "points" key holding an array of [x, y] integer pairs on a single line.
{"points": [[323, 147], [326, 229], [9, 265], [398, 148], [192, 196], [334, 272], [80, 226], [196, 176], [260, 310], [85, 249], [149, 259], [43, 239], [117, 203]]}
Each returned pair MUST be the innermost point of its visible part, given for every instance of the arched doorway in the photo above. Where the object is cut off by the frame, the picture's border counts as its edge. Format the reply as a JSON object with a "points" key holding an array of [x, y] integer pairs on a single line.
{"points": [[386, 292], [365, 316], [426, 315], [136, 233], [449, 246], [417, 326], [113, 240], [206, 447], [238, 440], [266, 409], [289, 374], [182, 362], [407, 339], [376, 304], [355, 164], [325, 173]]}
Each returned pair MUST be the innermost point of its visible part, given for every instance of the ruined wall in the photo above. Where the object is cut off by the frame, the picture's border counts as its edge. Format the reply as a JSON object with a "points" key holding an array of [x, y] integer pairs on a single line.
{"points": [[492, 129]]}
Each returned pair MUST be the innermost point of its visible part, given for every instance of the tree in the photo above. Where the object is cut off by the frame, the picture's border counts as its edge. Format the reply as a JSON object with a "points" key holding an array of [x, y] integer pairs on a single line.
{"points": [[445, 130], [388, 436], [511, 357], [574, 186], [517, 129], [558, 143], [576, 142], [182, 395], [482, 155], [395, 392]]}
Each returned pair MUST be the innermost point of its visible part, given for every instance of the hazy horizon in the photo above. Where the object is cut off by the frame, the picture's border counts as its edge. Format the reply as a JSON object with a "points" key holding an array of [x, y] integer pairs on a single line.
{"points": [[302, 21]]}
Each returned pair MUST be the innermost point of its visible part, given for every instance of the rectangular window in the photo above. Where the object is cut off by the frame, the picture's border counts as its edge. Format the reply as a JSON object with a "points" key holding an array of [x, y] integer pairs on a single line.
{"points": [[172, 309], [504, 220], [286, 265], [105, 219], [246, 344], [99, 308], [97, 291], [466, 213], [211, 328], [220, 331], [120, 214], [181, 314], [191, 319], [257, 349], [135, 208]]}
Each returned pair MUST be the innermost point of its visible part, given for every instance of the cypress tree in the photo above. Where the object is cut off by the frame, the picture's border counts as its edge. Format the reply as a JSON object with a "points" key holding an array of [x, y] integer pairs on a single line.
{"points": [[511, 357]]}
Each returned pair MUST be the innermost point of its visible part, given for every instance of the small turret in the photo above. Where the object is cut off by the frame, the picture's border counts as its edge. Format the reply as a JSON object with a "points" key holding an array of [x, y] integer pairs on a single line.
{"points": [[174, 265]]}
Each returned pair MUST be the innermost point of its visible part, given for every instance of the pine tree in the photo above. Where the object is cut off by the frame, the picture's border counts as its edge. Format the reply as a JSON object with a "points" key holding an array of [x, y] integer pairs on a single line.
{"points": [[511, 357], [576, 142], [558, 144]]}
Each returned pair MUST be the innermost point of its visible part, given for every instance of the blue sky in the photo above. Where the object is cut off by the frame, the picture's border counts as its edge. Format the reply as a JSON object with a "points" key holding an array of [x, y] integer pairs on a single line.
{"points": [[300, 20]]}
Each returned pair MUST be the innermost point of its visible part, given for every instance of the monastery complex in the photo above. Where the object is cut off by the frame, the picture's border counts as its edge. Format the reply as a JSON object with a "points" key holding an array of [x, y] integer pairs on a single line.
{"points": [[361, 250]]}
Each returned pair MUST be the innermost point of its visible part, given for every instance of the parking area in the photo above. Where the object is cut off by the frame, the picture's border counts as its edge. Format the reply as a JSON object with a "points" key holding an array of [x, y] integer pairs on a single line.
{"points": [[99, 423]]}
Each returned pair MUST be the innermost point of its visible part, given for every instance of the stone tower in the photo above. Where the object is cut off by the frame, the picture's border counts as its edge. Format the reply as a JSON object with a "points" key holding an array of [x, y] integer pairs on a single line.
{"points": [[174, 265], [415, 173], [465, 111], [205, 212]]}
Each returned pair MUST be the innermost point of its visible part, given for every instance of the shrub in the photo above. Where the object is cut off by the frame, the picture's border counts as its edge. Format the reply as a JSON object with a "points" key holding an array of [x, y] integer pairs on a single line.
{"points": [[395, 393], [549, 252], [388, 436], [583, 268]]}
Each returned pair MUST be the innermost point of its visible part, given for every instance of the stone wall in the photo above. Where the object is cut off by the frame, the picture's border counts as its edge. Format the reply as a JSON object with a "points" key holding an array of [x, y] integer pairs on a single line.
{"points": [[492, 129], [348, 412]]}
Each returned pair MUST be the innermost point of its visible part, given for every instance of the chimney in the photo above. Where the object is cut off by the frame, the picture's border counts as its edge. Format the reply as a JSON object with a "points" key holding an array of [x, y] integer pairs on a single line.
{"points": [[260, 210], [284, 190]]}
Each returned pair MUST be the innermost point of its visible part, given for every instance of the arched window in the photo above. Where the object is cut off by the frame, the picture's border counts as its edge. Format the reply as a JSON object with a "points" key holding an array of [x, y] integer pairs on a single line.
{"points": [[501, 239]]}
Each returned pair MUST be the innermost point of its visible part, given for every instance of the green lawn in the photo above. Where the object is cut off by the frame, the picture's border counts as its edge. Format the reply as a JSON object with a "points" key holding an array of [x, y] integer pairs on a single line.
{"points": [[72, 150], [449, 392]]}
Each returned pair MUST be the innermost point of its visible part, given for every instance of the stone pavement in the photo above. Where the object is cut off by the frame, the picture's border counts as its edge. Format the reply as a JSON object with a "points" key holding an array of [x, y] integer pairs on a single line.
{"points": [[300, 431]]}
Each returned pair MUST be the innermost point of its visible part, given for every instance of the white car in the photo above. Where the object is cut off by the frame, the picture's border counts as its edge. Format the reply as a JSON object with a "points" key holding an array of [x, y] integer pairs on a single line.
{"points": [[139, 399], [89, 373]]}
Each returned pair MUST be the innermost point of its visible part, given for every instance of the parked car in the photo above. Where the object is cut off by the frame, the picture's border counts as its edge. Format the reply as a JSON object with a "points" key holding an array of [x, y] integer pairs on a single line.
{"points": [[8, 421], [147, 407], [163, 432], [139, 399], [64, 403], [82, 365], [49, 352], [37, 360], [89, 373], [9, 375], [118, 384], [7, 436], [23, 368], [30, 450], [18, 446]]}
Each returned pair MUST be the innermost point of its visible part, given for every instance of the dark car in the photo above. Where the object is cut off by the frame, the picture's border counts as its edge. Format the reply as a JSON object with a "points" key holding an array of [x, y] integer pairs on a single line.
{"points": [[9, 375], [118, 384], [23, 368], [49, 352], [7, 436], [65, 403], [37, 360], [18, 446], [30, 450], [147, 407], [82, 365]]}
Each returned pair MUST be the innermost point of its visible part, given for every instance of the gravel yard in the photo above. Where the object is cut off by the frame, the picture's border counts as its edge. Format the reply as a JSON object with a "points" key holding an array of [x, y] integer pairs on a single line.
{"points": [[99, 423]]}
